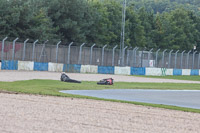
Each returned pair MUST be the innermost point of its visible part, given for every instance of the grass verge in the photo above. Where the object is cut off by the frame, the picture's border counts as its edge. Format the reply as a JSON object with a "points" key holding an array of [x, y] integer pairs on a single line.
{"points": [[52, 88]]}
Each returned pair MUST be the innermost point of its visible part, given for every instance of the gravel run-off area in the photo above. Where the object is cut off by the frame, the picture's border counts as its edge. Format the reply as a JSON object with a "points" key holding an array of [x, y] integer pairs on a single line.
{"points": [[20, 113]]}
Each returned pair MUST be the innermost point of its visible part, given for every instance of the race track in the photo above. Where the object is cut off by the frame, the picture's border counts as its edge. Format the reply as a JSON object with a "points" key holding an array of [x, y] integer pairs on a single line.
{"points": [[21, 113], [27, 75]]}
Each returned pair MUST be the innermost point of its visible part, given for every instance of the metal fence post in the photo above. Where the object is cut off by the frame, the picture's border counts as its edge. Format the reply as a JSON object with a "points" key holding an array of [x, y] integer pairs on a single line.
{"points": [[113, 55], [182, 58], [102, 58], [169, 61], [142, 57], [80, 53], [91, 51], [24, 49], [157, 57], [13, 52], [34, 50], [149, 56], [198, 61], [128, 55], [135, 55], [57, 45], [188, 54], [43, 48], [124, 50], [69, 50], [193, 57], [176, 58], [2, 48], [163, 57]]}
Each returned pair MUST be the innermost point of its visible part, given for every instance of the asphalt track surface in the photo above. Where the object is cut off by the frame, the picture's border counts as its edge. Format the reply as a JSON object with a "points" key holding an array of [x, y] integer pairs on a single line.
{"points": [[181, 98]]}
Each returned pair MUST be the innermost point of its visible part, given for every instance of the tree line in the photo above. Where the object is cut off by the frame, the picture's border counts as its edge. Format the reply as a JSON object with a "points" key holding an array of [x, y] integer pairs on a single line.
{"points": [[155, 25]]}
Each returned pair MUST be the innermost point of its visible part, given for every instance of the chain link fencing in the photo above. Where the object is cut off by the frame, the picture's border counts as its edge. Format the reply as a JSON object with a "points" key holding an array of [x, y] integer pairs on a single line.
{"points": [[135, 57]]}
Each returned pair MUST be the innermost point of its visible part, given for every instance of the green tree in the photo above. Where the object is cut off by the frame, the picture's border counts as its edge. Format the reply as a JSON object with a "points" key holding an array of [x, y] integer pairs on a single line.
{"points": [[107, 23], [18, 19], [41, 26], [157, 33], [147, 21], [180, 30], [135, 35], [71, 17]]}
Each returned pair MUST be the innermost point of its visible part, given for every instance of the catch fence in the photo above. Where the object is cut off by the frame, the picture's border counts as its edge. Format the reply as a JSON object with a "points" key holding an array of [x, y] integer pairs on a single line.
{"points": [[75, 53]]}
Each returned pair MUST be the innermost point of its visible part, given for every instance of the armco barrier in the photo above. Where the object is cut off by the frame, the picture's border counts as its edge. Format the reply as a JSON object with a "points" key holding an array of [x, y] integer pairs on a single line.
{"points": [[38, 66], [72, 68], [89, 69], [138, 71], [194, 72], [25, 65], [177, 72], [123, 70], [106, 69], [186, 71], [55, 67], [9, 65], [153, 71]]}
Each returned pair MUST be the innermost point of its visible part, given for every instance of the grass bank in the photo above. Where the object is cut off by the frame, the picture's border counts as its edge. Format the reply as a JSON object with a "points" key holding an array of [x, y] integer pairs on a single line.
{"points": [[52, 88]]}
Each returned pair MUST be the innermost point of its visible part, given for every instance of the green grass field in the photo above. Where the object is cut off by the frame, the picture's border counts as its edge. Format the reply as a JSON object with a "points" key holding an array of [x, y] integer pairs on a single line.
{"points": [[52, 88], [191, 78]]}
